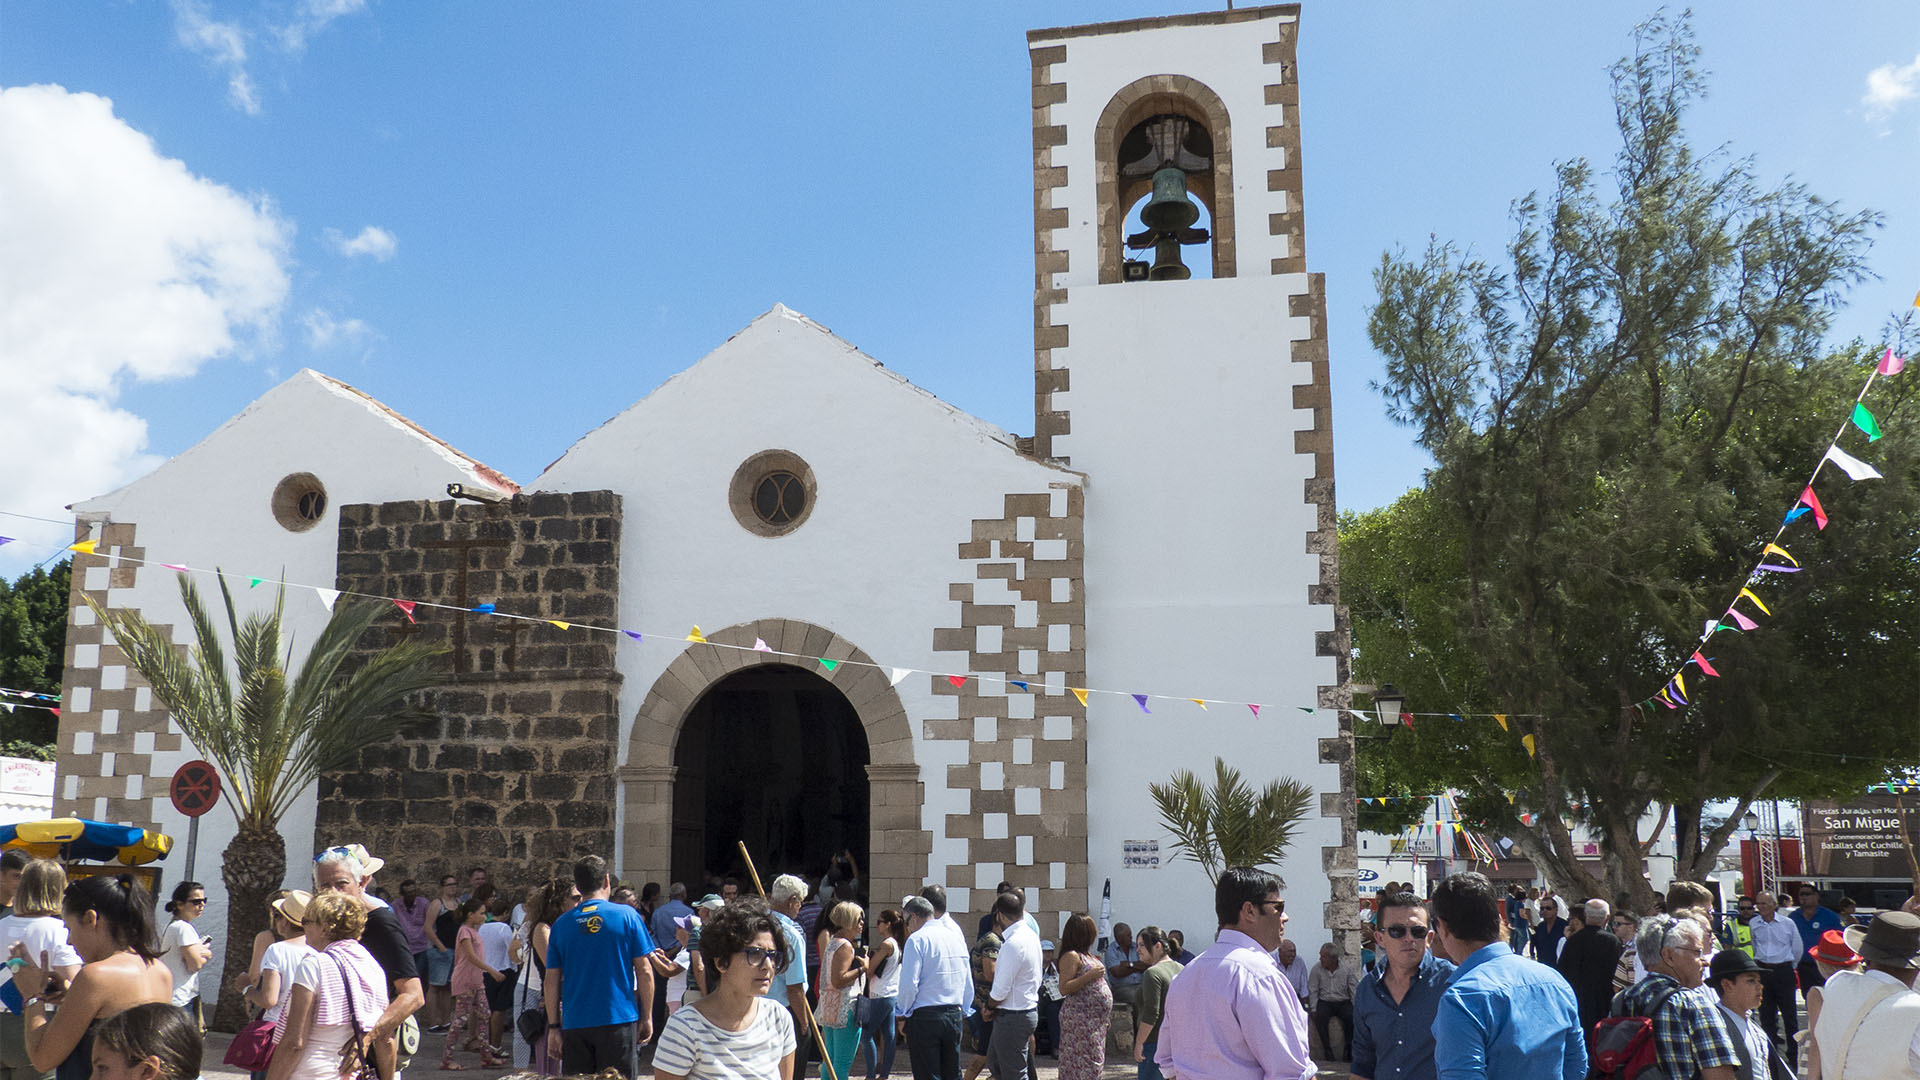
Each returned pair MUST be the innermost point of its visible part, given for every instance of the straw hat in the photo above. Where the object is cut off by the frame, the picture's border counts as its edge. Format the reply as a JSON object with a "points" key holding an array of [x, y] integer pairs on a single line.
{"points": [[293, 906]]}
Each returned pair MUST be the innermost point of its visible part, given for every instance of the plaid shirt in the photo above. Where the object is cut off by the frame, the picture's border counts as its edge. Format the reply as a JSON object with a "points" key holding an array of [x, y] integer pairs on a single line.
{"points": [[1689, 1033]]}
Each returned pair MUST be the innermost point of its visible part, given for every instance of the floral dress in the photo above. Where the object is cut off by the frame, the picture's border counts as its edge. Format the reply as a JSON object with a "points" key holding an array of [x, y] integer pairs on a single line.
{"points": [[1083, 1030]]}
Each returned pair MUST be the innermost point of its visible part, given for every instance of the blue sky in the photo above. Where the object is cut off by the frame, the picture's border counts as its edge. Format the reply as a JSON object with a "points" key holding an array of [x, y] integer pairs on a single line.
{"points": [[511, 221]]}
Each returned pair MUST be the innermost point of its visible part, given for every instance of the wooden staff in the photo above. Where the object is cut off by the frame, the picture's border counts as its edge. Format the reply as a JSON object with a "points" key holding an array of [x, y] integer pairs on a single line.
{"points": [[819, 1038]]}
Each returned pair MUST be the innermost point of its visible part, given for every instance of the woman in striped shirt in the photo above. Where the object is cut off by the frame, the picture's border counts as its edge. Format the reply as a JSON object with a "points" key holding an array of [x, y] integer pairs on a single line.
{"points": [[733, 1033], [338, 993]]}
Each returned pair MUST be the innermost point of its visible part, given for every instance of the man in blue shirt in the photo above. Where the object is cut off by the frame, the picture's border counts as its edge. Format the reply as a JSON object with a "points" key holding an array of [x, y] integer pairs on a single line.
{"points": [[1501, 1015], [789, 987], [597, 956], [1812, 920], [1397, 1000]]}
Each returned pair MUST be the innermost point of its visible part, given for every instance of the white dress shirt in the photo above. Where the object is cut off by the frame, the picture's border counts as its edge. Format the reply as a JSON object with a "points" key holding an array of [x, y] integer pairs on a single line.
{"points": [[1776, 942], [1016, 973]]}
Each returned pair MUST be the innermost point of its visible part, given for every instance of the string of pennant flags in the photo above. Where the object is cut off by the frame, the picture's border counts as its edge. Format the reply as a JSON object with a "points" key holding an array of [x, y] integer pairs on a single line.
{"points": [[1774, 557], [11, 699], [1145, 702]]}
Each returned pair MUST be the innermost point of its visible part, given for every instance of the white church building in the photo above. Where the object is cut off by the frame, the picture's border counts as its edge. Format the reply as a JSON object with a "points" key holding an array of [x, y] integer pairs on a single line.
{"points": [[1167, 530]]}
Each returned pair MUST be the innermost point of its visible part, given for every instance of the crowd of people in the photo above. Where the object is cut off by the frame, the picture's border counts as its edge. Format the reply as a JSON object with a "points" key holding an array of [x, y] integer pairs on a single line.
{"points": [[582, 975]]}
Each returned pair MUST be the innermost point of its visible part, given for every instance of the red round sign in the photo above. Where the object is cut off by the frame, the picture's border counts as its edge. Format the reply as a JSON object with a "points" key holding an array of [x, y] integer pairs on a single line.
{"points": [[195, 788]]}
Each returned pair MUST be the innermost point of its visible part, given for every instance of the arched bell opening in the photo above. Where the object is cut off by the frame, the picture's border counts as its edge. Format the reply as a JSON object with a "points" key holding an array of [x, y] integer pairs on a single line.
{"points": [[1151, 125], [1198, 260]]}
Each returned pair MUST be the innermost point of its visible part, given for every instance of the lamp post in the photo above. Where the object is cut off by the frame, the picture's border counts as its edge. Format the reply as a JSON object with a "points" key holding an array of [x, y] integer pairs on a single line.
{"points": [[1388, 701]]}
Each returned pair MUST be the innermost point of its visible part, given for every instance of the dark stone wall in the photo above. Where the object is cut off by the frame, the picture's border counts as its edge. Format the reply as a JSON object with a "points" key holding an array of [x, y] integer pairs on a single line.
{"points": [[515, 772]]}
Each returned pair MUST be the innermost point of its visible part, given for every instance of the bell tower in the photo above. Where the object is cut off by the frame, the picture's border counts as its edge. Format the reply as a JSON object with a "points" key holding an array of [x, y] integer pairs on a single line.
{"points": [[1180, 361]]}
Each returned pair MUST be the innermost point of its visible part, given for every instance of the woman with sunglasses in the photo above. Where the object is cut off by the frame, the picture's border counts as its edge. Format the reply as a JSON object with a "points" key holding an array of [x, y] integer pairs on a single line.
{"points": [[182, 948], [733, 1033]]}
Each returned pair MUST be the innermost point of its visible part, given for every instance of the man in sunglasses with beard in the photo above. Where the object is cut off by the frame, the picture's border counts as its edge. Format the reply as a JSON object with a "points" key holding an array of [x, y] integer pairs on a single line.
{"points": [[1395, 1003]]}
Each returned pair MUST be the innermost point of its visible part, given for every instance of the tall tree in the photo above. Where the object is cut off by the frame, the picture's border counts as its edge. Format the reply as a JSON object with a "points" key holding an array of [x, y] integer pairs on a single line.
{"points": [[271, 731], [1619, 416], [33, 642]]}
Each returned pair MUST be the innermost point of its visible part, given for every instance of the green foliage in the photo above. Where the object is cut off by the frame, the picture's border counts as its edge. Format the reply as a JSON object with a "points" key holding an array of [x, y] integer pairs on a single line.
{"points": [[33, 642], [1229, 824], [269, 733], [1619, 415]]}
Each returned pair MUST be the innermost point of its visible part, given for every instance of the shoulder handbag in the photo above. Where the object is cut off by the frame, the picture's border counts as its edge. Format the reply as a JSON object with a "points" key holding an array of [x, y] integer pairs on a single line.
{"points": [[532, 1023], [252, 1047], [355, 1061]]}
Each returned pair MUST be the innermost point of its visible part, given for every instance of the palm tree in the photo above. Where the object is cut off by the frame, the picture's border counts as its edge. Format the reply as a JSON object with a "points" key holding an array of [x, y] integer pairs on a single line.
{"points": [[270, 734], [1228, 824]]}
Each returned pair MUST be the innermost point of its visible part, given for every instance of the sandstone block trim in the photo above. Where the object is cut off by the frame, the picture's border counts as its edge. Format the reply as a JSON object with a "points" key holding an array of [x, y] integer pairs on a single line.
{"points": [[1282, 97], [1048, 216]]}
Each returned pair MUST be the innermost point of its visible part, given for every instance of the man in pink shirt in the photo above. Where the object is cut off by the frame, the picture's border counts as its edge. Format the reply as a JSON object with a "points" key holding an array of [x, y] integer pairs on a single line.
{"points": [[1231, 1014]]}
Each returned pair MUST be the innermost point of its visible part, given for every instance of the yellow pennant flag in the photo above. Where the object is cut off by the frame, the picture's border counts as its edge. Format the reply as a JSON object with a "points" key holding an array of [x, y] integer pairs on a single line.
{"points": [[1527, 741], [1682, 681], [1509, 798], [1079, 693], [84, 547], [1502, 718], [1200, 702], [1776, 549], [1748, 593], [561, 625], [1916, 299], [696, 635]]}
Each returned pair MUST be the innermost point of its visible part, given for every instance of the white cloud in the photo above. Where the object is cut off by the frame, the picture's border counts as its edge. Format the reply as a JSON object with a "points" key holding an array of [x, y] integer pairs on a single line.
{"points": [[224, 43], [372, 241], [313, 17], [121, 266], [1889, 86], [324, 328]]}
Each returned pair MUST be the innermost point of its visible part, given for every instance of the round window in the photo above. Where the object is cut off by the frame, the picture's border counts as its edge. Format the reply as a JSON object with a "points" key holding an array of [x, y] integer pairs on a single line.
{"points": [[299, 502], [772, 493]]}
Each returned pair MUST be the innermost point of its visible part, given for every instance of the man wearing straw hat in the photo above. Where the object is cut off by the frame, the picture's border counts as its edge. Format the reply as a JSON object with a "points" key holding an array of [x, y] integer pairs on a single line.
{"points": [[1869, 1023]]}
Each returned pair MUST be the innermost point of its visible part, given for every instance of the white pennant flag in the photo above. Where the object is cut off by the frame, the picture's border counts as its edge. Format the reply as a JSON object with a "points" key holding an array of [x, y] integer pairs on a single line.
{"points": [[1851, 465], [898, 674], [327, 597]]}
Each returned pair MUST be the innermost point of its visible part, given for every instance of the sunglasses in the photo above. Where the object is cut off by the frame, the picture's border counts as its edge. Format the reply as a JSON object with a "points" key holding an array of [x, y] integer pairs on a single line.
{"points": [[755, 955], [201, 900], [1397, 932], [1279, 906]]}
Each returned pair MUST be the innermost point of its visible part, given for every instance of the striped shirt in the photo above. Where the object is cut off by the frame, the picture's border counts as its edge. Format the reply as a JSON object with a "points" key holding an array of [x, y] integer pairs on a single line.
{"points": [[321, 973], [690, 1045]]}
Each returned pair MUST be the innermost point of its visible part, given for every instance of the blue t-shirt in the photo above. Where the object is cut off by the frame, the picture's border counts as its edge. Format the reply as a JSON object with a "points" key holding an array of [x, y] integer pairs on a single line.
{"points": [[594, 947], [795, 973], [1824, 919]]}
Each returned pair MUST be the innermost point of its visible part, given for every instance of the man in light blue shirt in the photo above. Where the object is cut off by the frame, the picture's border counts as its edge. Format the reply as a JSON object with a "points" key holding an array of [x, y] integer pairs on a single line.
{"points": [[1502, 1015], [936, 981], [789, 985]]}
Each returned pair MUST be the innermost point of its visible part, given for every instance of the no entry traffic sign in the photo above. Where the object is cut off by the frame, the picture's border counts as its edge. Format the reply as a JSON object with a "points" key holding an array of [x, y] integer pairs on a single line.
{"points": [[195, 788]]}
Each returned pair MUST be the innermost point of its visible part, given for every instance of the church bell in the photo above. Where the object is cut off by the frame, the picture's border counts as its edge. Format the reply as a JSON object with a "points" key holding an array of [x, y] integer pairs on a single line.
{"points": [[1170, 208]]}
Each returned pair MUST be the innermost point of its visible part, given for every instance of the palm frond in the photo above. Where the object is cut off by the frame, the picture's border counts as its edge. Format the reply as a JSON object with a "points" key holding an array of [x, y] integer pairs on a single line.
{"points": [[1227, 823]]}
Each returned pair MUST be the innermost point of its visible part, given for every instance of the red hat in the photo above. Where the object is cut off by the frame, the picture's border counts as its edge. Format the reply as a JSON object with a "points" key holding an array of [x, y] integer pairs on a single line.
{"points": [[1833, 949]]}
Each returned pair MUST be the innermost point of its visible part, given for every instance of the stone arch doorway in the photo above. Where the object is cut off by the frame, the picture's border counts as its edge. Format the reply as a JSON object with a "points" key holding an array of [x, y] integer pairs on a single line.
{"points": [[775, 757], [898, 847]]}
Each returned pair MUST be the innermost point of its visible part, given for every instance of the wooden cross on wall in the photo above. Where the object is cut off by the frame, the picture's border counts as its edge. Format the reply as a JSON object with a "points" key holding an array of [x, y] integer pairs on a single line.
{"points": [[466, 547]]}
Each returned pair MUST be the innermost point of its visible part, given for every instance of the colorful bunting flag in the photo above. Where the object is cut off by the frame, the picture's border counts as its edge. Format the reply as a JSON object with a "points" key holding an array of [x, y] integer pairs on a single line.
{"points": [[696, 635], [1812, 502], [1863, 419], [897, 674], [1502, 718], [1794, 514], [1255, 708], [1407, 719], [760, 645], [1776, 549], [561, 623], [1141, 700], [1080, 693], [84, 547], [254, 583], [6, 539], [1022, 685], [1200, 702], [1744, 622], [178, 568], [1705, 668], [634, 634], [327, 597], [482, 609], [830, 665], [1777, 568], [958, 681], [1457, 718], [406, 608], [1527, 741], [1304, 709], [1749, 594], [1889, 363], [1854, 468]]}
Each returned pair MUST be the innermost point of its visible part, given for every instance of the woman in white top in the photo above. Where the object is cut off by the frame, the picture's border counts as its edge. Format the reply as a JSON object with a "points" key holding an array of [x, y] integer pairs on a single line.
{"points": [[182, 948], [733, 1033], [883, 986], [553, 900], [339, 990], [842, 981], [271, 991]]}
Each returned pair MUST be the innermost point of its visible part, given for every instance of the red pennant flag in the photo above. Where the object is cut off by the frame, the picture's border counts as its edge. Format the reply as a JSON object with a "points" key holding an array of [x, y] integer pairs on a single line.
{"points": [[958, 681], [1812, 502], [1406, 718], [1705, 668], [406, 608]]}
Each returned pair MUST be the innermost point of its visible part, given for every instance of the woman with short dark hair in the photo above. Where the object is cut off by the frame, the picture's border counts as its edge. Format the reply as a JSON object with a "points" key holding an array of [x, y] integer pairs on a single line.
{"points": [[734, 1032], [183, 949]]}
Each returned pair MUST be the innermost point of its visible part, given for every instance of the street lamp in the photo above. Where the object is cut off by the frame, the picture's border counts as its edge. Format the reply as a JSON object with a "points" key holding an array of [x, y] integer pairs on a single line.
{"points": [[1388, 701], [1752, 822]]}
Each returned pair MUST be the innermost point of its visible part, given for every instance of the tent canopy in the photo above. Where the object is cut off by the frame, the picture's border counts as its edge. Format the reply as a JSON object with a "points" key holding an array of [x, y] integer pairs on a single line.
{"points": [[92, 841]]}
